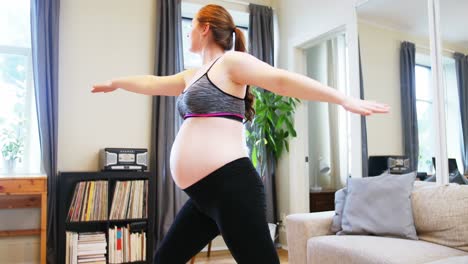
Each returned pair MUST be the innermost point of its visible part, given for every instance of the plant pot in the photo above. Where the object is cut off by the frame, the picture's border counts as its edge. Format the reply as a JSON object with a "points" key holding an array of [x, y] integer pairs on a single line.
{"points": [[272, 228], [9, 166]]}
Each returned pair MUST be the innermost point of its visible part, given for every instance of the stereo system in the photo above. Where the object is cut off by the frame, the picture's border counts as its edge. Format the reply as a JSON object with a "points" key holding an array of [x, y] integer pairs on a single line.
{"points": [[127, 159]]}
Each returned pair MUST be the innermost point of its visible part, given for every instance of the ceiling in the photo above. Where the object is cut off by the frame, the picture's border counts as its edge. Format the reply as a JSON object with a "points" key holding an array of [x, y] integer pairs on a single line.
{"points": [[412, 17]]}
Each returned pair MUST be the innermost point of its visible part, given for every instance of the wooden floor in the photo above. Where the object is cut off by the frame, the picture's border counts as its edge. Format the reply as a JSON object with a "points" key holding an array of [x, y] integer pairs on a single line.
{"points": [[224, 257]]}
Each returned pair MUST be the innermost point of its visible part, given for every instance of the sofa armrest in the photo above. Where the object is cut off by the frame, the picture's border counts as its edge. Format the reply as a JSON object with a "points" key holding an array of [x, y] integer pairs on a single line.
{"points": [[301, 227]]}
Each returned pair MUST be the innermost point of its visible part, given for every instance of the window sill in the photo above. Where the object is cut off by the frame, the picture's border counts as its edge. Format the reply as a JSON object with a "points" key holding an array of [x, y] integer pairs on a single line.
{"points": [[22, 176]]}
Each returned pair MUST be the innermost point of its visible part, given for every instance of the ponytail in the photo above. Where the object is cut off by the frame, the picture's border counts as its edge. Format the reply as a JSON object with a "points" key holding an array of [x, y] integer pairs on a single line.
{"points": [[249, 99], [240, 40]]}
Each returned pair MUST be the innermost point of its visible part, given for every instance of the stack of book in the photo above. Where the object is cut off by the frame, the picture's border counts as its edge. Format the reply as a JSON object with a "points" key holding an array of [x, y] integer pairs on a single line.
{"points": [[87, 248], [89, 202], [130, 200], [125, 246]]}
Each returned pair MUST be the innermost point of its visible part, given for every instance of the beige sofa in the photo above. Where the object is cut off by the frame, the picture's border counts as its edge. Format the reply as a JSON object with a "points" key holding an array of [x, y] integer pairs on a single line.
{"points": [[441, 218]]}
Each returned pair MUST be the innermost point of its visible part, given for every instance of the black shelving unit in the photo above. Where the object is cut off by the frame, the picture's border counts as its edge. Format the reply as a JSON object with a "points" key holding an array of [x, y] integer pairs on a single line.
{"points": [[66, 187]]}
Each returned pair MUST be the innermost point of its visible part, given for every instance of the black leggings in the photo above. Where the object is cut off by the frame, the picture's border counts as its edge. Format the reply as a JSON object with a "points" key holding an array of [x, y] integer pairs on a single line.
{"points": [[230, 201]]}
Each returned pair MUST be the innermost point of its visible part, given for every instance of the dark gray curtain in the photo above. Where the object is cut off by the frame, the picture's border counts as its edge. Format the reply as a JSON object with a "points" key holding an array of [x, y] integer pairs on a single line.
{"points": [[166, 123], [364, 152], [44, 43], [261, 34], [461, 64], [408, 103], [261, 45]]}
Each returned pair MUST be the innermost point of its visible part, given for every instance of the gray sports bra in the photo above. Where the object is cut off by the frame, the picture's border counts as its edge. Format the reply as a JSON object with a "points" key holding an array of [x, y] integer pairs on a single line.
{"points": [[204, 99]]}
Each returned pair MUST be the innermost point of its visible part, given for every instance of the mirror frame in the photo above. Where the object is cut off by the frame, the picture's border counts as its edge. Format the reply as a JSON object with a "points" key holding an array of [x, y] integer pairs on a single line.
{"points": [[442, 175], [433, 6]]}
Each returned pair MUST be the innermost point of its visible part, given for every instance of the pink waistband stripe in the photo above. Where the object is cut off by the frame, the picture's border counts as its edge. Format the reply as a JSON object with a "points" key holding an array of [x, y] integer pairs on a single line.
{"points": [[213, 114]]}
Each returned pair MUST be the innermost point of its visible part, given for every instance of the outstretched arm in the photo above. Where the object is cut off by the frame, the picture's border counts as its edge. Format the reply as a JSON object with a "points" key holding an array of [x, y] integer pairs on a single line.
{"points": [[171, 85], [244, 68]]}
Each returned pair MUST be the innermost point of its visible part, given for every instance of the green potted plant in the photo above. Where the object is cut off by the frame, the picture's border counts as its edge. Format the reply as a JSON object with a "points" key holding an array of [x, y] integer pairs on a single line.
{"points": [[271, 128], [12, 148], [269, 132]]}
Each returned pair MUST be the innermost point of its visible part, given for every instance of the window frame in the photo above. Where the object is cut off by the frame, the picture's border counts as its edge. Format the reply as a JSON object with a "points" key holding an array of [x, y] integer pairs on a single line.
{"points": [[26, 52], [431, 104], [446, 105], [430, 70]]}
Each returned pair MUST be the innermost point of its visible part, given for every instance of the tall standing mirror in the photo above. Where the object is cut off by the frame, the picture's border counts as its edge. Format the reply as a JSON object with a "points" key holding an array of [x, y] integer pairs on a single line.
{"points": [[326, 61], [454, 40], [395, 65]]}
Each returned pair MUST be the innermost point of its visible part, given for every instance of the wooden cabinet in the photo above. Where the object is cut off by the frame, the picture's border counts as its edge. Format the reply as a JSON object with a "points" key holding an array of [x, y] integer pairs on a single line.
{"points": [[322, 201], [26, 192]]}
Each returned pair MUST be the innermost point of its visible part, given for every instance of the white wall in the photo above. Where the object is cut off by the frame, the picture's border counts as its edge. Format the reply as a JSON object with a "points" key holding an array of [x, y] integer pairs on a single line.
{"points": [[232, 5], [380, 56], [100, 40], [300, 21]]}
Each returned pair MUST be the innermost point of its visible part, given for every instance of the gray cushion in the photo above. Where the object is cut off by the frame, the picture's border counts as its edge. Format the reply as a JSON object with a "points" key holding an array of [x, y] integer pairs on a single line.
{"points": [[379, 205], [340, 197]]}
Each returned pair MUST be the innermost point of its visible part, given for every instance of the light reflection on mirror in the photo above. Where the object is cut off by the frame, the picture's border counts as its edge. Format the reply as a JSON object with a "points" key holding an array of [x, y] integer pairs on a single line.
{"points": [[383, 25], [326, 61], [454, 39]]}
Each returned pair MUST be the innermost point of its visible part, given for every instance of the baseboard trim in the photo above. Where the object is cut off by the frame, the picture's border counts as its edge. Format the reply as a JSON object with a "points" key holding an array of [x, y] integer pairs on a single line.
{"points": [[205, 249]]}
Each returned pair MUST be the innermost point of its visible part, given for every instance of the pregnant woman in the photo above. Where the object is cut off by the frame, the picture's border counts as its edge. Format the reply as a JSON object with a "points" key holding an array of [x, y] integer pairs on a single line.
{"points": [[209, 160]]}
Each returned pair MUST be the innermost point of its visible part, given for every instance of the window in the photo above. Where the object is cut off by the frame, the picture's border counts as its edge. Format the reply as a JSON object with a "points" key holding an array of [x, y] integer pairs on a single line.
{"points": [[425, 118], [19, 138], [452, 106], [192, 60], [424, 109]]}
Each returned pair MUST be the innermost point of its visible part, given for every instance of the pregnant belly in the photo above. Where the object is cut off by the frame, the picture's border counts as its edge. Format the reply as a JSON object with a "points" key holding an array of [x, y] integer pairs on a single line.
{"points": [[203, 145]]}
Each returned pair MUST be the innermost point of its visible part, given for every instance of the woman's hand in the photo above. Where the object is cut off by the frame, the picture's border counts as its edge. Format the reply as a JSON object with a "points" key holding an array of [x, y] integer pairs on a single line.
{"points": [[171, 85], [364, 107], [103, 88]]}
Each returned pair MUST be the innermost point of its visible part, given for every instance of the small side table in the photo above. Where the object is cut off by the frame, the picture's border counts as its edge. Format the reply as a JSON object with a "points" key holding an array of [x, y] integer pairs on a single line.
{"points": [[323, 200], [26, 192]]}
